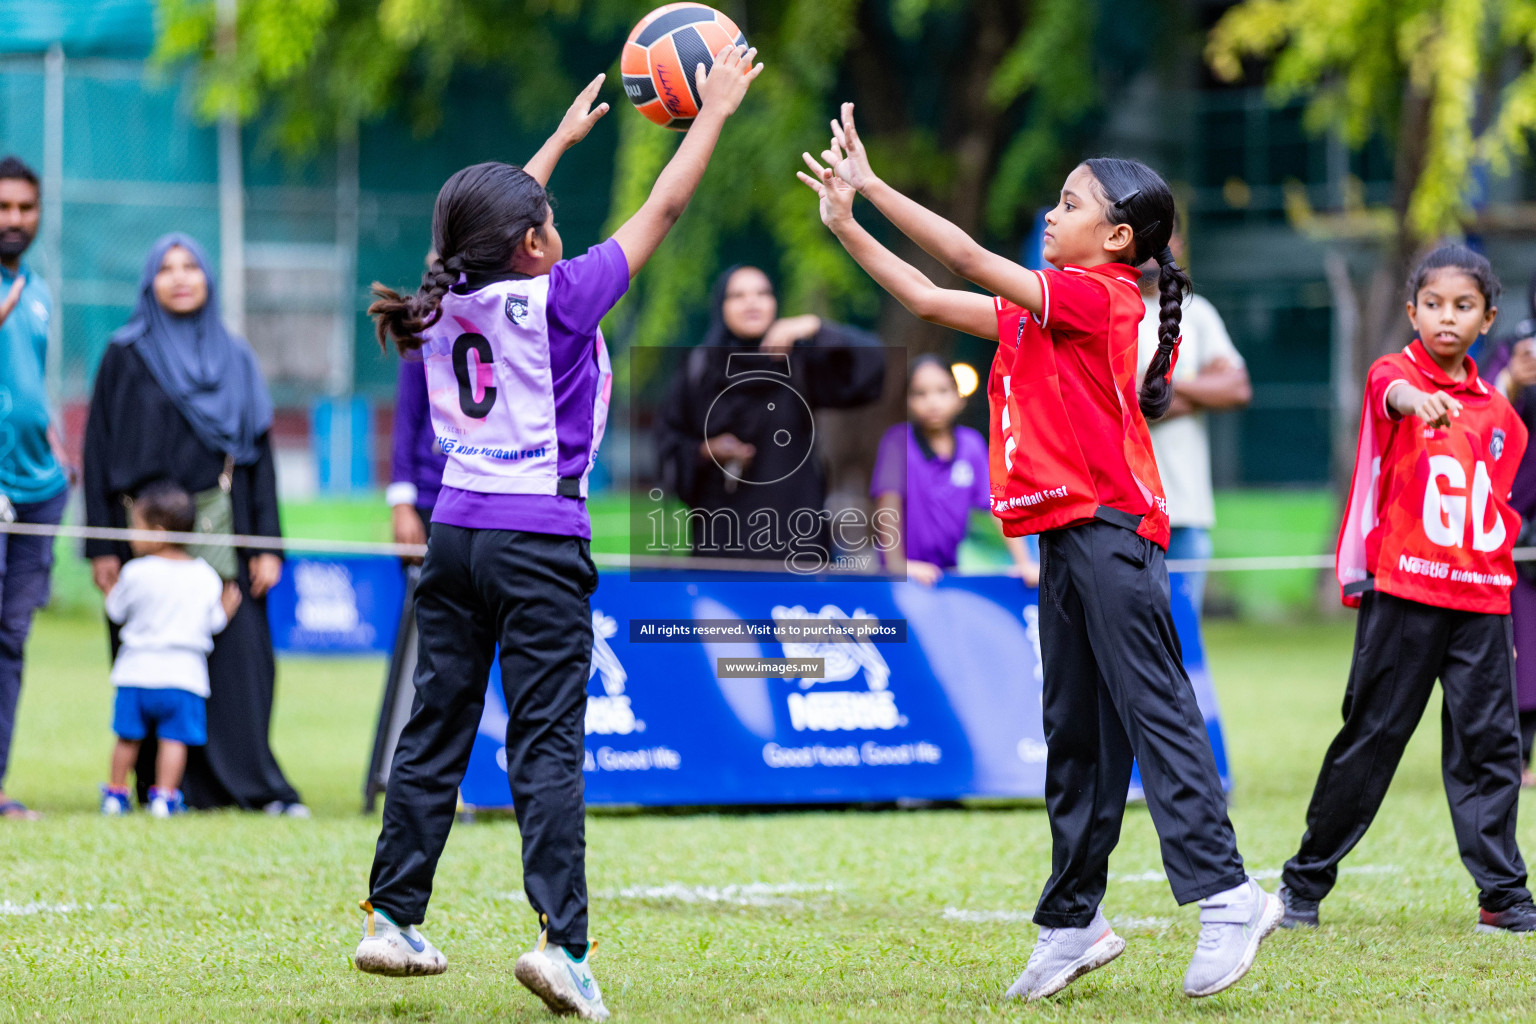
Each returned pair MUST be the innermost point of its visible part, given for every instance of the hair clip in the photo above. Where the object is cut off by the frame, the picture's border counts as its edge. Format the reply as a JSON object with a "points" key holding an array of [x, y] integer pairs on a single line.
{"points": [[1132, 194]]}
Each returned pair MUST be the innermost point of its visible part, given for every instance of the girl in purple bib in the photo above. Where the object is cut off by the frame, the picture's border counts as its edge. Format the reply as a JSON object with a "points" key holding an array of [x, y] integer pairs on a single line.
{"points": [[932, 472], [518, 380]]}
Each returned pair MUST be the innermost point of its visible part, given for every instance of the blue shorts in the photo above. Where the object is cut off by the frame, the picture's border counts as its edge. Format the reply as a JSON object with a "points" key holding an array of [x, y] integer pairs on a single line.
{"points": [[176, 714]]}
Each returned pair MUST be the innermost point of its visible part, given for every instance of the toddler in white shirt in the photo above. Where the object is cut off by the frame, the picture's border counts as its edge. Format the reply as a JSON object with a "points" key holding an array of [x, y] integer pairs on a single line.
{"points": [[169, 605]]}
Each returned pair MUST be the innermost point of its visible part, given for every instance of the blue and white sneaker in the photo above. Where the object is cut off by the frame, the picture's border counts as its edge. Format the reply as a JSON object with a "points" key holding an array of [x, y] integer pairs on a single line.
{"points": [[394, 951], [115, 802], [564, 983], [165, 803]]}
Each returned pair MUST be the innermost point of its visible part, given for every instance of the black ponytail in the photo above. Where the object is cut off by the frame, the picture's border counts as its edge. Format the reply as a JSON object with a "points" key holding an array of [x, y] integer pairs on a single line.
{"points": [[1172, 285], [1135, 194], [481, 216]]}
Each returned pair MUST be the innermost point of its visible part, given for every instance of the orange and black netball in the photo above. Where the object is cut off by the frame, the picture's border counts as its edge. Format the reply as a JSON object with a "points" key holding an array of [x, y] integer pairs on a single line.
{"points": [[662, 54]]}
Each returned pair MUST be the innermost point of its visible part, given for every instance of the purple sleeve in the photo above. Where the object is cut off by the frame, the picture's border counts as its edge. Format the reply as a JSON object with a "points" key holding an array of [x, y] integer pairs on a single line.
{"points": [[890, 473], [584, 289], [976, 454], [1495, 359], [410, 408]]}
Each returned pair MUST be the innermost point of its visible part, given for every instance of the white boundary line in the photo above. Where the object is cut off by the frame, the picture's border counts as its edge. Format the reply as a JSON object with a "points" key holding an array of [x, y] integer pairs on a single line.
{"points": [[1257, 563]]}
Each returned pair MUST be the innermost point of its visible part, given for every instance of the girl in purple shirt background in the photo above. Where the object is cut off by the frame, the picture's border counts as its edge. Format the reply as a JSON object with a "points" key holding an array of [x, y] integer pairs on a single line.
{"points": [[416, 462], [932, 473], [517, 380]]}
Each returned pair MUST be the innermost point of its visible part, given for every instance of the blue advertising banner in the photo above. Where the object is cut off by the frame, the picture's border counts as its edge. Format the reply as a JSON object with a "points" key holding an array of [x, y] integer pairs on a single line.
{"points": [[337, 605], [953, 710], [942, 701]]}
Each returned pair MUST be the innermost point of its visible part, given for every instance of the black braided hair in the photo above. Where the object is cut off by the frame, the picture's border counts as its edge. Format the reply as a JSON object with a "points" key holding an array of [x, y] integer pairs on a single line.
{"points": [[1457, 257], [1135, 194], [481, 216]]}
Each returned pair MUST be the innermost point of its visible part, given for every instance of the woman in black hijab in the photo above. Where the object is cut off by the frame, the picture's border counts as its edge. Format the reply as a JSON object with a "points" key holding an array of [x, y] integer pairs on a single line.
{"points": [[738, 433], [179, 398]]}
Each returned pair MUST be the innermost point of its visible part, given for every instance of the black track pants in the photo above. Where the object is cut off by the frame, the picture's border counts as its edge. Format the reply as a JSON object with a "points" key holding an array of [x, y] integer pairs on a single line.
{"points": [[529, 592], [1401, 647], [1115, 690]]}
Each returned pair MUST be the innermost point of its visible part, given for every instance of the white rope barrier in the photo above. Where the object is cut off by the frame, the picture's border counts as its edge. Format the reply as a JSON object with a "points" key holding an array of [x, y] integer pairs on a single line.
{"points": [[1256, 563], [239, 540]]}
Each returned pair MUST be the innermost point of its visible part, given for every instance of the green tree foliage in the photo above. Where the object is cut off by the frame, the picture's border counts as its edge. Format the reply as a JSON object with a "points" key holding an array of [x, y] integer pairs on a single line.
{"points": [[1427, 73], [973, 106], [1451, 84]]}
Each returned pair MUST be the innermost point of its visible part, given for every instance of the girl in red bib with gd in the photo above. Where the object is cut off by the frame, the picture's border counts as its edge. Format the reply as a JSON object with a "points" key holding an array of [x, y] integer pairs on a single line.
{"points": [[1071, 460], [1426, 553]]}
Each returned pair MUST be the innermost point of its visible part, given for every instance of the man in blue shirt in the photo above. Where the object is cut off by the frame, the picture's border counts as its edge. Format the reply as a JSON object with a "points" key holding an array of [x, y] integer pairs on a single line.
{"points": [[33, 486]]}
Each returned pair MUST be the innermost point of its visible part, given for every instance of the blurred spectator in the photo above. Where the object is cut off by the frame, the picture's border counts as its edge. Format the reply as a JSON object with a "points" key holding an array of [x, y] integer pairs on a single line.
{"points": [[33, 486], [169, 604], [1210, 375], [1512, 367], [416, 461], [737, 435], [179, 398], [932, 473]]}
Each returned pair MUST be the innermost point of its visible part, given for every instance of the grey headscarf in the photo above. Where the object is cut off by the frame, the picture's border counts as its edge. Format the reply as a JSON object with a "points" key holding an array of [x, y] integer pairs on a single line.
{"points": [[209, 373]]}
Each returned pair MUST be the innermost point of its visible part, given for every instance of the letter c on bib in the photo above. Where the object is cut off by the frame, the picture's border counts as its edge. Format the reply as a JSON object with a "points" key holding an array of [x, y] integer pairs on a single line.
{"points": [[462, 347]]}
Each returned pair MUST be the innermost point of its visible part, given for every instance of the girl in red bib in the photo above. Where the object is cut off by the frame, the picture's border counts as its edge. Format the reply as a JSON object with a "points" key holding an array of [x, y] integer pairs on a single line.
{"points": [[1426, 553], [1071, 460]]}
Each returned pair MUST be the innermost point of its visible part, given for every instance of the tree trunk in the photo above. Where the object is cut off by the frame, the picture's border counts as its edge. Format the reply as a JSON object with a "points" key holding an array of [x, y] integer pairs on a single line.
{"points": [[973, 135], [1377, 319]]}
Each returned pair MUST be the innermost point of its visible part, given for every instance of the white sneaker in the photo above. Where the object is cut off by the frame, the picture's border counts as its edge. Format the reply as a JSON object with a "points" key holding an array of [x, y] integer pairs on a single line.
{"points": [[1062, 955], [278, 809], [565, 984], [1232, 924], [398, 952]]}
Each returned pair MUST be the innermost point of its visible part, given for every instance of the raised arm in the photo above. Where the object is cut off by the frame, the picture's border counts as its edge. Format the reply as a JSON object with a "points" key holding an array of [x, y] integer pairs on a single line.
{"points": [[721, 92], [950, 307], [574, 126], [940, 238]]}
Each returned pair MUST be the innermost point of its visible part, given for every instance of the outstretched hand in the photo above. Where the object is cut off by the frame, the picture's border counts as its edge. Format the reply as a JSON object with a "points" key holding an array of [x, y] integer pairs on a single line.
{"points": [[1436, 408], [721, 89], [846, 154], [582, 115], [836, 194]]}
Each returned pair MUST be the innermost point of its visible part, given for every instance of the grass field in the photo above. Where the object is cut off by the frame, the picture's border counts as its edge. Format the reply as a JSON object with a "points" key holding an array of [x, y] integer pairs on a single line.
{"points": [[839, 915]]}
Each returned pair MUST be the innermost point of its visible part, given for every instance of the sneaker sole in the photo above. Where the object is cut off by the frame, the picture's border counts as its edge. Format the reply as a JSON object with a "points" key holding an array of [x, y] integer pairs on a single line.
{"points": [[1274, 913], [1489, 929], [535, 974], [389, 962], [1096, 956], [1298, 922]]}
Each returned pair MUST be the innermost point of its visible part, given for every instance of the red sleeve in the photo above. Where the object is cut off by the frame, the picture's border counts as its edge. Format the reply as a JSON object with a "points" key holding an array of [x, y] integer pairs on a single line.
{"points": [[1008, 315], [1075, 303], [1385, 374]]}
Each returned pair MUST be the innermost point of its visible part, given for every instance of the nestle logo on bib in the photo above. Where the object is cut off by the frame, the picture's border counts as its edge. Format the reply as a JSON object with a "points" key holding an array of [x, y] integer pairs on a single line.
{"points": [[517, 310]]}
